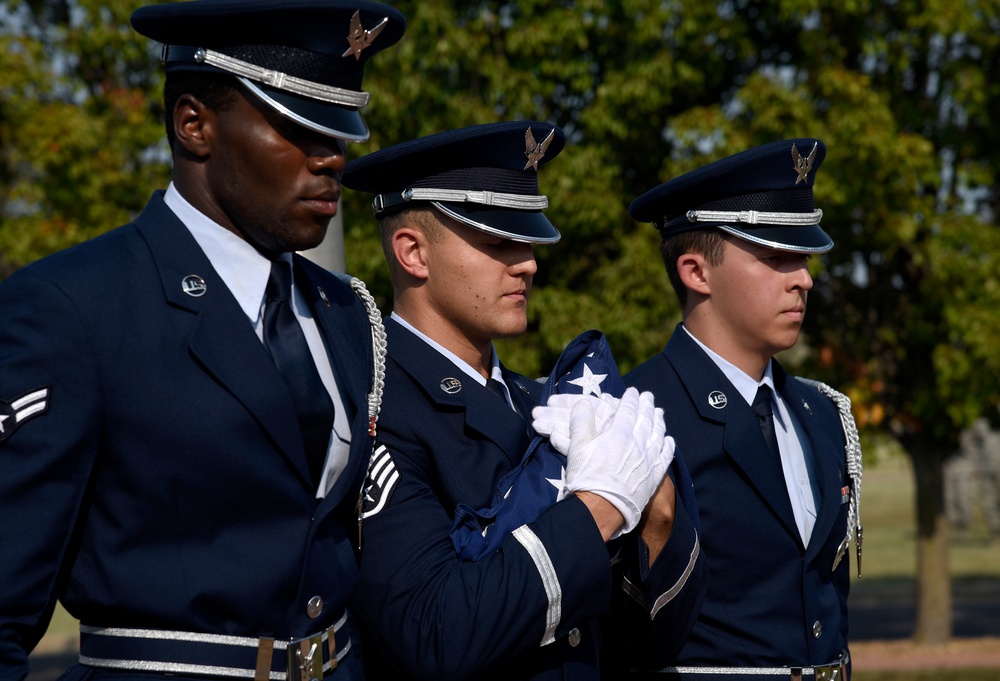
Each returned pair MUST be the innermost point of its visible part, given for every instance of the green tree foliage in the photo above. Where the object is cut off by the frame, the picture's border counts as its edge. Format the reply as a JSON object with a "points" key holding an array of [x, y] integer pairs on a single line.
{"points": [[80, 131], [905, 314]]}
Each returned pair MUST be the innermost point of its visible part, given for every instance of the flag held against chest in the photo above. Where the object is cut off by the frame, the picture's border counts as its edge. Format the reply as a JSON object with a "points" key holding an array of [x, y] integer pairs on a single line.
{"points": [[586, 366]]}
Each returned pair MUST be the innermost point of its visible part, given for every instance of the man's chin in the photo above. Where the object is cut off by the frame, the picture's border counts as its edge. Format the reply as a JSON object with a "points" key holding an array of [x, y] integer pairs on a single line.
{"points": [[513, 330], [313, 240]]}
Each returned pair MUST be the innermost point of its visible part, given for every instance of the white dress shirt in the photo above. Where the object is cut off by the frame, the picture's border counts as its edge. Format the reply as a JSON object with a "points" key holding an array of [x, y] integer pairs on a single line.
{"points": [[464, 366]]}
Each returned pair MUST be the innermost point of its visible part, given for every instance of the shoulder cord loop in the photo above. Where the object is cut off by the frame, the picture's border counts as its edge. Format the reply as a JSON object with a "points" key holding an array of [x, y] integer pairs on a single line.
{"points": [[852, 451], [379, 346]]}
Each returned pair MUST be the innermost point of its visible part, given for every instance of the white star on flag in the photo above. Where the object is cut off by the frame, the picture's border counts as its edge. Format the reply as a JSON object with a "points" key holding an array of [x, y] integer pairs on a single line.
{"points": [[559, 484], [589, 382]]}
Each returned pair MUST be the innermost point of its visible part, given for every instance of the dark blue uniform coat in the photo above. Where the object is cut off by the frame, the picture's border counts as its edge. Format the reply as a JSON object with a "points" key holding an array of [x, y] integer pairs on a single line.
{"points": [[166, 485], [771, 601], [440, 618]]}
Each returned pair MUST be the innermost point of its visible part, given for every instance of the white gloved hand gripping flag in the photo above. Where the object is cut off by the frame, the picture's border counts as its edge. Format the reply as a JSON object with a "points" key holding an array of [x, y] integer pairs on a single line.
{"points": [[585, 367]]}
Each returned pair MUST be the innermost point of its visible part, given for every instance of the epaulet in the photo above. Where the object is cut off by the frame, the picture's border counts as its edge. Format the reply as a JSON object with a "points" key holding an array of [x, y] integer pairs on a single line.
{"points": [[852, 451]]}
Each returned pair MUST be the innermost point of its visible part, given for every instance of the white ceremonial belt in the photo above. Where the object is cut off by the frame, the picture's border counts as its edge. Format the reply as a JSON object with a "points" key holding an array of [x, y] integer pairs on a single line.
{"points": [[238, 657], [834, 671]]}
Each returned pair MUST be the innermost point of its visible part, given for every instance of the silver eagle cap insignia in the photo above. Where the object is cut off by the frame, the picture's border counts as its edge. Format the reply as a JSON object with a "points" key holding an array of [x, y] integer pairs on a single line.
{"points": [[803, 166], [360, 38], [535, 151]]}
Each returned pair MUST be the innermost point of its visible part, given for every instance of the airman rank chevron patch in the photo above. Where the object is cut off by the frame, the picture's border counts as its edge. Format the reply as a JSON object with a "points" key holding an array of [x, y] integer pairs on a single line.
{"points": [[19, 410], [382, 479]]}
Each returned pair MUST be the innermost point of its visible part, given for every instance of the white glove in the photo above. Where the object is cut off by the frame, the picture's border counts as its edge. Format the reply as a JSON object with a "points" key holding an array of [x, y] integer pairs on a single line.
{"points": [[552, 419], [625, 463]]}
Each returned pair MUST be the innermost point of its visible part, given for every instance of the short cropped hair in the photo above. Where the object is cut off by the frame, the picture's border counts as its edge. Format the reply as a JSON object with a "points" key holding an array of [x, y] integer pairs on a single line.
{"points": [[709, 243], [423, 218]]}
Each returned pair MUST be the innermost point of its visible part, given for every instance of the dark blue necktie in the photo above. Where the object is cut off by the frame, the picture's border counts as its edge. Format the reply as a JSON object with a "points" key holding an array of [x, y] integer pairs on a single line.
{"points": [[762, 407], [497, 388], [287, 346]]}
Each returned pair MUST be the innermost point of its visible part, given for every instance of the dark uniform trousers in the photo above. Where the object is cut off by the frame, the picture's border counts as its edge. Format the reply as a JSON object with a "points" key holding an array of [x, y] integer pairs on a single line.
{"points": [[164, 486]]}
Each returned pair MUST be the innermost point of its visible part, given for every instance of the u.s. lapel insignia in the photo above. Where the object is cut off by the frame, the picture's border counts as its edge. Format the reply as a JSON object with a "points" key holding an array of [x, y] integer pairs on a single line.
{"points": [[194, 286], [807, 407], [451, 385], [322, 296], [535, 151], [360, 37], [717, 399], [803, 166], [19, 410]]}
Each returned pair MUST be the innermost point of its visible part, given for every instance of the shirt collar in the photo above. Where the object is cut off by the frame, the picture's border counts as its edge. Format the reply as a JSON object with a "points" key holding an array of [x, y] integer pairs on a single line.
{"points": [[745, 384], [495, 371], [243, 270]]}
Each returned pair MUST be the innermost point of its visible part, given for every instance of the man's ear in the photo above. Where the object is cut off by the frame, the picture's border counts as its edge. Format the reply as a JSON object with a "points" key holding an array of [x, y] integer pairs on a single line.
{"points": [[193, 125], [692, 268], [409, 246]]}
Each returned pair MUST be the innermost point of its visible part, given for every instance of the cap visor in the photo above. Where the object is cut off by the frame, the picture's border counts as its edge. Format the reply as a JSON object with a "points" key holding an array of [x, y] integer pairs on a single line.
{"points": [[334, 120], [530, 226], [808, 239]]}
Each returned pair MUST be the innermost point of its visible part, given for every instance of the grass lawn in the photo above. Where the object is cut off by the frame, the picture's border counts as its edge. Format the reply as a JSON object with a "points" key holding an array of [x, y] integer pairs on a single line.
{"points": [[888, 517], [62, 622]]}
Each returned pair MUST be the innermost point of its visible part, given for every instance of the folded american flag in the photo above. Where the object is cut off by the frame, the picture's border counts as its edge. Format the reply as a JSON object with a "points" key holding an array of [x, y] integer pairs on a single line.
{"points": [[586, 366]]}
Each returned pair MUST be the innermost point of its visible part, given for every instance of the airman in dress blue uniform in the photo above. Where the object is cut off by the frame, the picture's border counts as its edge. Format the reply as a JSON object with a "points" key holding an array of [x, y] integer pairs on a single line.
{"points": [[190, 400], [459, 213], [775, 460]]}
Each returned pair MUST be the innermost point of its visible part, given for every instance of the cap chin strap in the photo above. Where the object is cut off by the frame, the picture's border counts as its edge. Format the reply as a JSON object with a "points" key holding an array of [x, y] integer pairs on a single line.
{"points": [[276, 79], [751, 217], [384, 202]]}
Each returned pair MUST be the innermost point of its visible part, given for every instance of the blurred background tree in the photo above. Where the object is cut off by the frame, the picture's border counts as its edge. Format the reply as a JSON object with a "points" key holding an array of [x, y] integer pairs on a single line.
{"points": [[80, 130], [905, 315]]}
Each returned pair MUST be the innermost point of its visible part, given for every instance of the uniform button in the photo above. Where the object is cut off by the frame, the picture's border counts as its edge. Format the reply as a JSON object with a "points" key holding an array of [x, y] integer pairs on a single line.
{"points": [[574, 637], [314, 607], [817, 629]]}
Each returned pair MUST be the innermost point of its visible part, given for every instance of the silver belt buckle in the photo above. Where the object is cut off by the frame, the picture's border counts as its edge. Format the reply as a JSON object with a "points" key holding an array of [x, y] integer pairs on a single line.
{"points": [[305, 658], [835, 671]]}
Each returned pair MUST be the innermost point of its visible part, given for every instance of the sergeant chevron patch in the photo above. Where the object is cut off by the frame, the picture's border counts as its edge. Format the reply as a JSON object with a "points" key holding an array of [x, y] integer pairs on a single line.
{"points": [[381, 481], [19, 410]]}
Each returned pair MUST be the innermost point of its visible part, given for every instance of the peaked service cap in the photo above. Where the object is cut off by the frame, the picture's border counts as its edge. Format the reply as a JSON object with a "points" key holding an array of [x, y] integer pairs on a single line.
{"points": [[303, 58], [485, 176], [763, 195]]}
